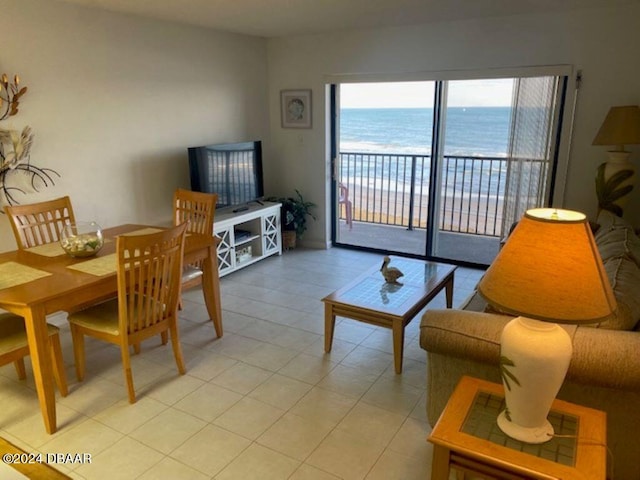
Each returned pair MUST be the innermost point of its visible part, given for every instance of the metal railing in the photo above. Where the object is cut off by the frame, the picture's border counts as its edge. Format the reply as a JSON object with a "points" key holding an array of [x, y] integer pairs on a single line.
{"points": [[393, 189]]}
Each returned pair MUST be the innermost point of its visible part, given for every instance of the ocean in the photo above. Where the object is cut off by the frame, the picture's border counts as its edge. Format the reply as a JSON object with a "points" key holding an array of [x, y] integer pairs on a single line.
{"points": [[473, 131], [398, 133]]}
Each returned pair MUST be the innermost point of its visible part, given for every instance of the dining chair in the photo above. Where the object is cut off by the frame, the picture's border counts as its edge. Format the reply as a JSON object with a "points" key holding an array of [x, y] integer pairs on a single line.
{"points": [[197, 210], [14, 346], [149, 279], [39, 223]]}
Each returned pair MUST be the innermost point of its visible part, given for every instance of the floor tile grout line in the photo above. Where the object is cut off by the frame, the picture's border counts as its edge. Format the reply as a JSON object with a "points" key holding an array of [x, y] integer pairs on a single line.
{"points": [[313, 349]]}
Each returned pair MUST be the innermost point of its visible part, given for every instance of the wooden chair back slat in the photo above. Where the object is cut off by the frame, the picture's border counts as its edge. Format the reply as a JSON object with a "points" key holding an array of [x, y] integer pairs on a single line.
{"points": [[196, 208], [149, 278], [40, 223]]}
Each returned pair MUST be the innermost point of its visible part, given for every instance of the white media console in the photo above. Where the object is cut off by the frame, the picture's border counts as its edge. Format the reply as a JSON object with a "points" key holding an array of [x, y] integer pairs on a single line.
{"points": [[247, 235]]}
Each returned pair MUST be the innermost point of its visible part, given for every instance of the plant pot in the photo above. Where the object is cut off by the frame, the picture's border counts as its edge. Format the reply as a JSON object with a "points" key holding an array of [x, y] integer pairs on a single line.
{"points": [[288, 239]]}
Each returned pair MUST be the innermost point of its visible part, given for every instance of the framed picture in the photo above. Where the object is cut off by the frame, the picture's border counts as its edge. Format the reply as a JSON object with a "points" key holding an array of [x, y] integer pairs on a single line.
{"points": [[295, 108]]}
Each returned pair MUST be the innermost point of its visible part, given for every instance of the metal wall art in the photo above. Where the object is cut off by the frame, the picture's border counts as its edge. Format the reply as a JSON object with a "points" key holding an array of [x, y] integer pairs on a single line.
{"points": [[15, 148]]}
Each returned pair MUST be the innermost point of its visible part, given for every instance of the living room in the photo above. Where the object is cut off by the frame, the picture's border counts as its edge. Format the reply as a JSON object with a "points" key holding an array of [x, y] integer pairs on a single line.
{"points": [[145, 90], [115, 99]]}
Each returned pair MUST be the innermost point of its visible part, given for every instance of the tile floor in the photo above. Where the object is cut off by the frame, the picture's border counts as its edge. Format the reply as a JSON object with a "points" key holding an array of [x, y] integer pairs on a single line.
{"points": [[263, 402]]}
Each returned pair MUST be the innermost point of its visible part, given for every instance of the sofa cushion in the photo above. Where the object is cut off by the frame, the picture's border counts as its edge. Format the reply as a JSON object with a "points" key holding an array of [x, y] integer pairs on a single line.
{"points": [[619, 248], [624, 276], [616, 238], [607, 220], [474, 303]]}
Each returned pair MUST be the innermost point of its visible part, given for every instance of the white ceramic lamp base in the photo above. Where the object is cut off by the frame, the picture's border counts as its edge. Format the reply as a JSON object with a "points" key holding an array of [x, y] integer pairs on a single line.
{"points": [[540, 434], [535, 357]]}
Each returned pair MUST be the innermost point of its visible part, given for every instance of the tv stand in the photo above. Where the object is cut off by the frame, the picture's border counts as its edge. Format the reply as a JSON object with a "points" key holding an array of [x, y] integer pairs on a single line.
{"points": [[247, 235]]}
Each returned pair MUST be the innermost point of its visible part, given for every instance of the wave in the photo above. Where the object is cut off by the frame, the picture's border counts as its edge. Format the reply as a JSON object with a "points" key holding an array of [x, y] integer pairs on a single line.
{"points": [[470, 131]]}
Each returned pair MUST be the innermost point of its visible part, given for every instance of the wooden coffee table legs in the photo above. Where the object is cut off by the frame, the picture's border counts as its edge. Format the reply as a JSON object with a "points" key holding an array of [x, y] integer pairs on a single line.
{"points": [[329, 325], [396, 325], [398, 344], [448, 291]]}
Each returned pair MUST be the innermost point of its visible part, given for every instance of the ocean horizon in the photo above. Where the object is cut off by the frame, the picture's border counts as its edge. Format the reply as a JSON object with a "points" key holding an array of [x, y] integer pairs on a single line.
{"points": [[398, 133], [469, 131]]}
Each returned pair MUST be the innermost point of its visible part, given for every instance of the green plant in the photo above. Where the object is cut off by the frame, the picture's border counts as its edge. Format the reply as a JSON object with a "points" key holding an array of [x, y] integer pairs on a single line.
{"points": [[294, 213], [506, 374], [610, 192]]}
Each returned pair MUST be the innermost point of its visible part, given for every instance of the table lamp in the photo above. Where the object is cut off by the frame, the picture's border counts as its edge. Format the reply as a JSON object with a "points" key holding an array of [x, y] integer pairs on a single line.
{"points": [[549, 271], [616, 177]]}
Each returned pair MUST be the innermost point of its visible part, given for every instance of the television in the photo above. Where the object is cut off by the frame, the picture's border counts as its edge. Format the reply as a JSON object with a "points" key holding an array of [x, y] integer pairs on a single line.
{"points": [[232, 170]]}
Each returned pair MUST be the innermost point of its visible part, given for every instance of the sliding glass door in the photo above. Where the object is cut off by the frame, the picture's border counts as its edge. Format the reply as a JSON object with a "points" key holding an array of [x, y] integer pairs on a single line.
{"points": [[442, 169], [382, 174], [469, 163]]}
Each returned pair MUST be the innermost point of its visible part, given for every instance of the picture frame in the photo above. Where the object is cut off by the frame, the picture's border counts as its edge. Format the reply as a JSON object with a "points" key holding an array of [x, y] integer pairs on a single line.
{"points": [[295, 108]]}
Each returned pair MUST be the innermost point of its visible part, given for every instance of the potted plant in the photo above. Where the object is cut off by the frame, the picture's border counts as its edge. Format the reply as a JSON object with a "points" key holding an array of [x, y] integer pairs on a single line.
{"points": [[294, 217]]}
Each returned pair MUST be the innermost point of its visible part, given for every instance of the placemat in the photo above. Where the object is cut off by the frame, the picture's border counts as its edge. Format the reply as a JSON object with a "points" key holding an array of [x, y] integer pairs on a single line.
{"points": [[109, 263], [98, 266], [52, 249], [14, 273], [143, 231]]}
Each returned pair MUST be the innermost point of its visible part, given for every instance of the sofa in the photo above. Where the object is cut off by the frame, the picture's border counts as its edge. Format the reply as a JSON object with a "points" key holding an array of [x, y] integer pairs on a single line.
{"points": [[605, 368]]}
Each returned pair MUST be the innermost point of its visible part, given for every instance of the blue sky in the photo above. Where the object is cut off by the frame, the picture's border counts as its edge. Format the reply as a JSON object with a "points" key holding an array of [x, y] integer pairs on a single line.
{"points": [[462, 93]]}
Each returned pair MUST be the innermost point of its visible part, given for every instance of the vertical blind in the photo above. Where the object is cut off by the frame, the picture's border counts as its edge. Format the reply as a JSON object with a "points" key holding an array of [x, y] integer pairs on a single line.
{"points": [[530, 153]]}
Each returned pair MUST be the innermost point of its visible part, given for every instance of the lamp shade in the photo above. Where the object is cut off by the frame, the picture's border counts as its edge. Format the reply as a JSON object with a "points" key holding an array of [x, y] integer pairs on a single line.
{"points": [[550, 269], [620, 127]]}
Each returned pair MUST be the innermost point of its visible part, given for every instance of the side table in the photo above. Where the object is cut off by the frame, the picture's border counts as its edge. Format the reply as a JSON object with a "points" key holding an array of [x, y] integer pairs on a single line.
{"points": [[467, 440]]}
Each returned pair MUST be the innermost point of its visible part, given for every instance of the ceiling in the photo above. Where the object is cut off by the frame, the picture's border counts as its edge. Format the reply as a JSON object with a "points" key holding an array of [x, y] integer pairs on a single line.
{"points": [[279, 18]]}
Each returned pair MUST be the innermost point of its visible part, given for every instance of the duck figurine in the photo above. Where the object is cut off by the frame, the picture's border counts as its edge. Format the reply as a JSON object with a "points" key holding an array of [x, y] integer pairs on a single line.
{"points": [[390, 274]]}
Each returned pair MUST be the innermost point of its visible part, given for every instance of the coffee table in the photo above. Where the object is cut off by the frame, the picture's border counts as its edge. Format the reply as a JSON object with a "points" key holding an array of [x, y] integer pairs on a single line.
{"points": [[370, 299]]}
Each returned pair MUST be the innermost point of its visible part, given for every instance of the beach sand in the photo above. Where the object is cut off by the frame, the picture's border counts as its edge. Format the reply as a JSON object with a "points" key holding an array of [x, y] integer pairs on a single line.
{"points": [[461, 213]]}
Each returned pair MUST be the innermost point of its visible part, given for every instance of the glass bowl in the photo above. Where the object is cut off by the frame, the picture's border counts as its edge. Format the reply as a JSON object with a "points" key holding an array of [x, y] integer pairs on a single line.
{"points": [[81, 239]]}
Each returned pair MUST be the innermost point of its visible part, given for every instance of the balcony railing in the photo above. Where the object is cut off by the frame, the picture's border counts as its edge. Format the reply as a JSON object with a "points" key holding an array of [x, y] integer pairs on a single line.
{"points": [[393, 189]]}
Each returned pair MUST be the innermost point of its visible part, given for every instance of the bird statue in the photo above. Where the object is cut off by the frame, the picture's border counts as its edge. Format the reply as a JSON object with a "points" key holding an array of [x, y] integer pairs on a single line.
{"points": [[390, 274]]}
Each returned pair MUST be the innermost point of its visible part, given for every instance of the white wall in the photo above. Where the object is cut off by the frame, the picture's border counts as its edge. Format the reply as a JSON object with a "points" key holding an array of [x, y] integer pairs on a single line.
{"points": [[602, 43], [115, 100]]}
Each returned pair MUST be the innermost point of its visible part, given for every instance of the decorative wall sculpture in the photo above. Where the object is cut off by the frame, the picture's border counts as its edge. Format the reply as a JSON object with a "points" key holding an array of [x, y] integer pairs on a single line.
{"points": [[15, 148]]}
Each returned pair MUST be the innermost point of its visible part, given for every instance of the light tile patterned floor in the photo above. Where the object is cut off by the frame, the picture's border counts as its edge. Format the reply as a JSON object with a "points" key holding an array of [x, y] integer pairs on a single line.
{"points": [[263, 402]]}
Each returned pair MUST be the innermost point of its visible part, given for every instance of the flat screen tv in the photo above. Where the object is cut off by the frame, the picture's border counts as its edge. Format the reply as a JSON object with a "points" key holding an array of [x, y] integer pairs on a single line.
{"points": [[232, 170]]}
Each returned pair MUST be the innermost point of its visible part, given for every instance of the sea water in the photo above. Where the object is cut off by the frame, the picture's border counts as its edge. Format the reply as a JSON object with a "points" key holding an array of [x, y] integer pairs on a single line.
{"points": [[478, 132], [469, 131]]}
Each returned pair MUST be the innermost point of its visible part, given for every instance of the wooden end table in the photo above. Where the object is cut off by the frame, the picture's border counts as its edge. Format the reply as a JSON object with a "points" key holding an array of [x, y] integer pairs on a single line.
{"points": [[370, 299], [467, 439]]}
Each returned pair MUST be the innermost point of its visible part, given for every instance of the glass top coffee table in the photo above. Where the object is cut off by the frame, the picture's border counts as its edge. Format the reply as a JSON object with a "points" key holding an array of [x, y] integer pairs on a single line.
{"points": [[370, 299]]}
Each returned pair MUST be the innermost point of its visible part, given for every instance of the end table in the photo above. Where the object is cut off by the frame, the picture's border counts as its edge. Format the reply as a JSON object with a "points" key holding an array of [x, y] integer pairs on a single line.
{"points": [[467, 439]]}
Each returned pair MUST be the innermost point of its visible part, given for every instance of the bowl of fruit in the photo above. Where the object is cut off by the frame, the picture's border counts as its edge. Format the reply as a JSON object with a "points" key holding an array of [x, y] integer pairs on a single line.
{"points": [[81, 239]]}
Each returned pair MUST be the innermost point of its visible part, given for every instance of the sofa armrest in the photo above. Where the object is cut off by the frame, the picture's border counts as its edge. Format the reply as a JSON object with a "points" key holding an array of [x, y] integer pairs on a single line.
{"points": [[606, 358], [463, 334], [603, 358]]}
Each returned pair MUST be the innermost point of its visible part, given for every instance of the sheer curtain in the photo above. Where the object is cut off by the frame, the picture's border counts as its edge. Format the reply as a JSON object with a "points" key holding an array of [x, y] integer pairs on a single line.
{"points": [[531, 150]]}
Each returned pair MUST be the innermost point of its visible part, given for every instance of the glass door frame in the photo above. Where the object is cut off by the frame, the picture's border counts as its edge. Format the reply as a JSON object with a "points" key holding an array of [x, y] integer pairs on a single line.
{"points": [[562, 137]]}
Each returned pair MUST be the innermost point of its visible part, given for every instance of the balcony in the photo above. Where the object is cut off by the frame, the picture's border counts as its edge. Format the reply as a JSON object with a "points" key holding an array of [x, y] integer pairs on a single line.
{"points": [[389, 194]]}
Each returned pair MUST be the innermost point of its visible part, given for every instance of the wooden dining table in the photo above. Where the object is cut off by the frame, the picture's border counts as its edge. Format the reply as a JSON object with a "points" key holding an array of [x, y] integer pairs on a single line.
{"points": [[43, 280]]}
